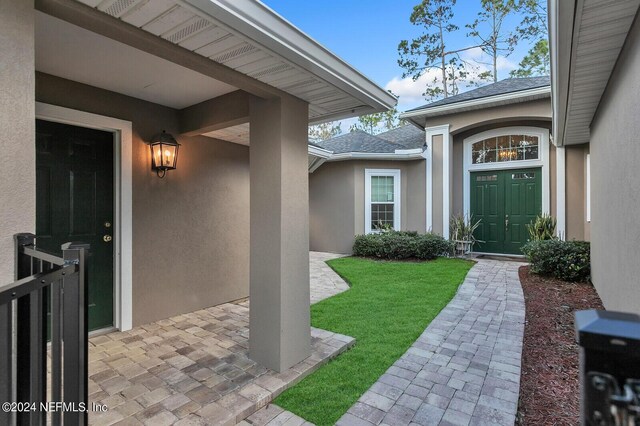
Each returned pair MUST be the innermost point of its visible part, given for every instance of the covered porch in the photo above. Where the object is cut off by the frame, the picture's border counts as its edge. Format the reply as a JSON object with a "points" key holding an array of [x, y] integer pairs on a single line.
{"points": [[195, 368], [86, 85], [237, 86]]}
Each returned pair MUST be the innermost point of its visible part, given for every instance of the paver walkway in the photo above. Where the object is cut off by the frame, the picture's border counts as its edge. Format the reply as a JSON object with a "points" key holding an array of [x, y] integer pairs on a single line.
{"points": [[465, 368], [324, 281]]}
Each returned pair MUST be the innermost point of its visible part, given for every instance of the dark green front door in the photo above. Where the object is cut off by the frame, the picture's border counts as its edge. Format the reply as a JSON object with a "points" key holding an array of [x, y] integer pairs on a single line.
{"points": [[74, 202], [505, 201]]}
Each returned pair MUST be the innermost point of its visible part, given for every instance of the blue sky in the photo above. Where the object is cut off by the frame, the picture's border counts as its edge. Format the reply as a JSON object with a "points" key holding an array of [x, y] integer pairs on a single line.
{"points": [[366, 33]]}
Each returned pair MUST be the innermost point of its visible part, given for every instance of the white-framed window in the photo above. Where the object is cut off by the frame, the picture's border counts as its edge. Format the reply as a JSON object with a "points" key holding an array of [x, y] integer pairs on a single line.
{"points": [[382, 199], [588, 187], [504, 148]]}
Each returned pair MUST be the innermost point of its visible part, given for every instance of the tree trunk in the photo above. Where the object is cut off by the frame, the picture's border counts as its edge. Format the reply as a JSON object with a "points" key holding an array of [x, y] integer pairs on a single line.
{"points": [[444, 77], [495, 48], [443, 64]]}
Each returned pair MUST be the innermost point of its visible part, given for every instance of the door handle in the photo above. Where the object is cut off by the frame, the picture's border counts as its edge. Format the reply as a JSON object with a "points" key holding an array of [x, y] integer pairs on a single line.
{"points": [[506, 222], [106, 238]]}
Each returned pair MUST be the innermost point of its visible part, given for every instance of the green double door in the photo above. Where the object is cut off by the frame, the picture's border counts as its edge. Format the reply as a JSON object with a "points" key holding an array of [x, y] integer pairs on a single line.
{"points": [[505, 201], [74, 202]]}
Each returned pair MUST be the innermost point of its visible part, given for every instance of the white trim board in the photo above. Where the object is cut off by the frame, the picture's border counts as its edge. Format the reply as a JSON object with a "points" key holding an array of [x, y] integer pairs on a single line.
{"points": [[588, 188], [561, 192], [397, 196], [428, 199], [405, 154], [543, 161], [430, 132], [447, 155], [123, 188], [319, 152]]}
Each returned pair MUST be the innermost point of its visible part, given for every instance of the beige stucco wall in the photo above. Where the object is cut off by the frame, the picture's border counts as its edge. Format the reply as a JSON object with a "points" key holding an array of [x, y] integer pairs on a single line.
{"points": [[17, 127], [575, 163], [415, 200], [538, 110], [615, 199], [437, 152], [198, 214], [332, 207], [337, 202]]}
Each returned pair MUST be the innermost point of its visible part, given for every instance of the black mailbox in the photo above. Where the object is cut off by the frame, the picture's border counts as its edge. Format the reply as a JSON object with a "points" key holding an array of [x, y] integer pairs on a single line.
{"points": [[609, 367]]}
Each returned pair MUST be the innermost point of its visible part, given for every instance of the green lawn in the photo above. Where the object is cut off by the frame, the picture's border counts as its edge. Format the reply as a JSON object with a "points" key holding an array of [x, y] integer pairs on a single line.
{"points": [[388, 306]]}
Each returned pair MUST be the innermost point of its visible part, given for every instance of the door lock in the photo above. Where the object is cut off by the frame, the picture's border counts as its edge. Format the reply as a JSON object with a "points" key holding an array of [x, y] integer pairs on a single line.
{"points": [[506, 222], [107, 238]]}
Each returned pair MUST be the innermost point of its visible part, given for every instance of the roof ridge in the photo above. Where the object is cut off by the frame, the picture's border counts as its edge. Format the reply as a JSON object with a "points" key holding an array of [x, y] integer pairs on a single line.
{"points": [[469, 94]]}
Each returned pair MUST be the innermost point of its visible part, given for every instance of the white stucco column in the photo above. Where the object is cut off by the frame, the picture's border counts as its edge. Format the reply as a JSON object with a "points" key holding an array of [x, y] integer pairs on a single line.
{"points": [[17, 127], [439, 178], [280, 334]]}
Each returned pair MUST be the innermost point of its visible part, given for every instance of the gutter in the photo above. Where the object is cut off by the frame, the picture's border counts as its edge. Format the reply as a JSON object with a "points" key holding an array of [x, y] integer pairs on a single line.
{"points": [[319, 152], [399, 154], [562, 18], [321, 155], [489, 101]]}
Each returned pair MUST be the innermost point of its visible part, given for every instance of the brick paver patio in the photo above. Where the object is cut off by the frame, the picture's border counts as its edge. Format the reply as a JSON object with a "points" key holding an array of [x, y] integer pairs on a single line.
{"points": [[465, 368], [194, 369]]}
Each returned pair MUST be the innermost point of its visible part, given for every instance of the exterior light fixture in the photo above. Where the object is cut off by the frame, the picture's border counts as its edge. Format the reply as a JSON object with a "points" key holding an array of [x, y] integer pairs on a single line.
{"points": [[508, 154], [425, 146], [164, 153]]}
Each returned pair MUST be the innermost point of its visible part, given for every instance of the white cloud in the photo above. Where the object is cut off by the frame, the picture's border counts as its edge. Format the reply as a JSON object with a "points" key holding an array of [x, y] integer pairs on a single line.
{"points": [[474, 54], [410, 91]]}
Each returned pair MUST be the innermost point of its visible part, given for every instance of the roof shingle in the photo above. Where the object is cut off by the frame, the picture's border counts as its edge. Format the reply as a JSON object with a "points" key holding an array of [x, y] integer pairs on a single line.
{"points": [[358, 141], [509, 85], [408, 136]]}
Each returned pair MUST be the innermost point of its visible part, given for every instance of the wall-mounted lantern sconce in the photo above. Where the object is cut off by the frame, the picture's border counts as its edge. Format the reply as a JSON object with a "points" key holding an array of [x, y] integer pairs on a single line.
{"points": [[424, 146], [164, 153]]}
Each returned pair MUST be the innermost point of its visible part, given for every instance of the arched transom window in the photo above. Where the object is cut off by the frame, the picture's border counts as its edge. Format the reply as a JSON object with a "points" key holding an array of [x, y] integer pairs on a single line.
{"points": [[505, 148]]}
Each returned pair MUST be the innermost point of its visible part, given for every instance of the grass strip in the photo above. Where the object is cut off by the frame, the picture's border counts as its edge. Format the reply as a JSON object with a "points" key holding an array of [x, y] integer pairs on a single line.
{"points": [[387, 308]]}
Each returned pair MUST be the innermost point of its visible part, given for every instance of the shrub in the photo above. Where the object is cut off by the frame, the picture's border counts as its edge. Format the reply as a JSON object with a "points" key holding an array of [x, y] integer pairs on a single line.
{"points": [[367, 245], [398, 245], [429, 246], [565, 260], [543, 227]]}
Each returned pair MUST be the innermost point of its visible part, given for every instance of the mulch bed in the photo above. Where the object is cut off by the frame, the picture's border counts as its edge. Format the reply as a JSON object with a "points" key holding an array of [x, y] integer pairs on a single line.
{"points": [[549, 386]]}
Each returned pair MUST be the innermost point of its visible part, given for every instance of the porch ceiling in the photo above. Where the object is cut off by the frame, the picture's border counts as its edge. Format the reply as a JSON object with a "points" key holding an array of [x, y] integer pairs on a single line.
{"points": [[71, 52], [236, 134], [250, 38]]}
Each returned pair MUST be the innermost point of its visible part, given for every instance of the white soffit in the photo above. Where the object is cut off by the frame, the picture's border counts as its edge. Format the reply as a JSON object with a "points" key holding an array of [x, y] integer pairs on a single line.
{"points": [[71, 52], [237, 134], [250, 38], [600, 30]]}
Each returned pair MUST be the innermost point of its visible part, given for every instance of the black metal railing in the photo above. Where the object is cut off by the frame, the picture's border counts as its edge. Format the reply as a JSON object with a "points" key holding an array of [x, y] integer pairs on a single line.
{"points": [[49, 296]]}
